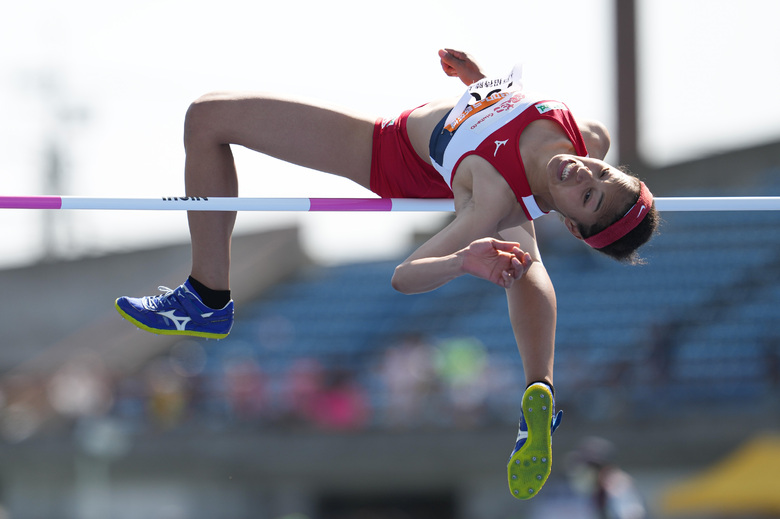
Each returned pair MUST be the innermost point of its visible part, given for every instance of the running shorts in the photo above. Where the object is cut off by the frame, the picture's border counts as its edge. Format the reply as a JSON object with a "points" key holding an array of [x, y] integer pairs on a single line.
{"points": [[397, 171]]}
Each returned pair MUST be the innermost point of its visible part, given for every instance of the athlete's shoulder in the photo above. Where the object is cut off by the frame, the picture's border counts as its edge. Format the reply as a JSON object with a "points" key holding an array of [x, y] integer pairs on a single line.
{"points": [[596, 137]]}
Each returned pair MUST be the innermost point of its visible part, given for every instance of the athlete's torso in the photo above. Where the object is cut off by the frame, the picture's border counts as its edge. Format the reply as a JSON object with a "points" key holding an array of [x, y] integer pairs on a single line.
{"points": [[488, 122]]}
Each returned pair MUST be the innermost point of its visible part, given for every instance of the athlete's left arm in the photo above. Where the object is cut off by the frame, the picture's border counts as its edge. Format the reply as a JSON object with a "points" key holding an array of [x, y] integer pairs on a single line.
{"points": [[460, 64], [532, 309]]}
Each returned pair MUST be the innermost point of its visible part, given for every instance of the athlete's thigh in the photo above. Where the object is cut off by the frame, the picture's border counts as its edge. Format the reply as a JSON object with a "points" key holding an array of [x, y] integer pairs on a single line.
{"points": [[307, 133]]}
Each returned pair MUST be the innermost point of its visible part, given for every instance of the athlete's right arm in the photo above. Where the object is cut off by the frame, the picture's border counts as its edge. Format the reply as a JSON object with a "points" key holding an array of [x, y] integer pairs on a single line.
{"points": [[497, 261], [469, 244]]}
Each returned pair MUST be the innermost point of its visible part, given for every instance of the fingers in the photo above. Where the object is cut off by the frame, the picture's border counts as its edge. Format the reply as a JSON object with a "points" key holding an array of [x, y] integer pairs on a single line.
{"points": [[453, 58], [448, 63], [501, 262], [520, 264], [506, 246], [513, 248], [460, 64], [507, 279], [455, 53], [510, 247]]}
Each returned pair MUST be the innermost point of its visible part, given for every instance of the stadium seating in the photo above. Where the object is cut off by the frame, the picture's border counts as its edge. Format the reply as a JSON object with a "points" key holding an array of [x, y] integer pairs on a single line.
{"points": [[695, 320]]}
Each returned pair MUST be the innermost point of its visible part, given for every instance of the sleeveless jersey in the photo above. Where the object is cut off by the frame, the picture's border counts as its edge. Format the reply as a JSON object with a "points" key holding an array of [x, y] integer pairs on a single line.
{"points": [[488, 121]]}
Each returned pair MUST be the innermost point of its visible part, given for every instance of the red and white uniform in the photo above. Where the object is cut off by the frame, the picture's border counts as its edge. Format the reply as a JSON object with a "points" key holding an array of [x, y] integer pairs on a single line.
{"points": [[488, 121]]}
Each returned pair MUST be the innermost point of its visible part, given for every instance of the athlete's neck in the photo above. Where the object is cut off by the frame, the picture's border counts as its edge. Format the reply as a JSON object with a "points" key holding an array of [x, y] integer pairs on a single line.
{"points": [[539, 144]]}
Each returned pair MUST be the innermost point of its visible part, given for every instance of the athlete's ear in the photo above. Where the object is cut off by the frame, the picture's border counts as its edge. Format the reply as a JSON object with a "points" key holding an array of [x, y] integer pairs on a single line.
{"points": [[573, 229]]}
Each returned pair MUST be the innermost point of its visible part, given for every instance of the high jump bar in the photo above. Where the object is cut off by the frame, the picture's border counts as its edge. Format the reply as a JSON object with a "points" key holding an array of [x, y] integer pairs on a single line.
{"points": [[173, 203]]}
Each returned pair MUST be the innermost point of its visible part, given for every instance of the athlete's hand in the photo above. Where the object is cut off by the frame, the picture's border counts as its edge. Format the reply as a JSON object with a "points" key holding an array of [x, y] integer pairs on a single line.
{"points": [[499, 262], [461, 65]]}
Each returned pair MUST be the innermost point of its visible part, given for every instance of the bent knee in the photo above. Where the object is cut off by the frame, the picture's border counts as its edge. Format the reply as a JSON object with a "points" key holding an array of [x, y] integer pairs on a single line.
{"points": [[202, 120]]}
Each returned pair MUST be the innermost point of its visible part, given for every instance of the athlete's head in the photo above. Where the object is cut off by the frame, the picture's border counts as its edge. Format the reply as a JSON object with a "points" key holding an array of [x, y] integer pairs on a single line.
{"points": [[611, 210]]}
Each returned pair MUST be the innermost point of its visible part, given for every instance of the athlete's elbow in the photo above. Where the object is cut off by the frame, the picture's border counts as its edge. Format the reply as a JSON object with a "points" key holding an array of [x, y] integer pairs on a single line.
{"points": [[399, 281]]}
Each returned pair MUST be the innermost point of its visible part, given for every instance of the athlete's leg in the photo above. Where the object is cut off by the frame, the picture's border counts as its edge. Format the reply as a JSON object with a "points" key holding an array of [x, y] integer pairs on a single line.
{"points": [[315, 136]]}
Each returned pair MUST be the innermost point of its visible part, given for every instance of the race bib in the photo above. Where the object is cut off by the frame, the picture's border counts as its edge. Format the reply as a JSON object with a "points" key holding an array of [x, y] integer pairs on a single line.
{"points": [[483, 94]]}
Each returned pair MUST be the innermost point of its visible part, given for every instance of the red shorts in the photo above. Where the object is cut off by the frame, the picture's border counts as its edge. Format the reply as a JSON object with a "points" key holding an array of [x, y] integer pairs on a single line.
{"points": [[396, 169]]}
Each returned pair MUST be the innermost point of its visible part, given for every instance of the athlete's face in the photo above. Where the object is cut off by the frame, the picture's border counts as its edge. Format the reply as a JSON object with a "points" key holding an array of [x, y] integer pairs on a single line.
{"points": [[588, 191]]}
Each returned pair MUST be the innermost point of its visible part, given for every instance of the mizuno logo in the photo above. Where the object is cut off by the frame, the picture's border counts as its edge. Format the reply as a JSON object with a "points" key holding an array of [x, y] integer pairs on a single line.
{"points": [[498, 145], [179, 322]]}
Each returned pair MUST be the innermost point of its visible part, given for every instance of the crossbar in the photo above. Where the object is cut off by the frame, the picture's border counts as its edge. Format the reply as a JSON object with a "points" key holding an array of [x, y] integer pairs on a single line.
{"points": [[729, 203]]}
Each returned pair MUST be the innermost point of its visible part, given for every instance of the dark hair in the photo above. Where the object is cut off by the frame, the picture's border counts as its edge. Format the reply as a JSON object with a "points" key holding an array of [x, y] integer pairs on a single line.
{"points": [[625, 249]]}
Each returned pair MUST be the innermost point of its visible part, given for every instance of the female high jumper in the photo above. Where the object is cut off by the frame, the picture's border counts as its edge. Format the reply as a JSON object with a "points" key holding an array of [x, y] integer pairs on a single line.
{"points": [[505, 155]]}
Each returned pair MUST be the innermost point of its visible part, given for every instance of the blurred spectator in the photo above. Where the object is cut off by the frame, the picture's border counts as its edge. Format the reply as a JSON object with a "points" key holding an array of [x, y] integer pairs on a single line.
{"points": [[130, 397], [342, 405], [611, 491], [245, 387], [461, 363], [505, 385], [408, 374], [81, 387], [300, 390], [167, 398]]}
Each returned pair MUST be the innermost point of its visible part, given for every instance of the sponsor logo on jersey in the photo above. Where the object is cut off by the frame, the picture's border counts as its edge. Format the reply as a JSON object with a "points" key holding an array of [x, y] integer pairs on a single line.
{"points": [[498, 145], [550, 105]]}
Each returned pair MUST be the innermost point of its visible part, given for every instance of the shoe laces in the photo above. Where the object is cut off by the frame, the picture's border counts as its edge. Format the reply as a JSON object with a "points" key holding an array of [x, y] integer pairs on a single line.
{"points": [[165, 299]]}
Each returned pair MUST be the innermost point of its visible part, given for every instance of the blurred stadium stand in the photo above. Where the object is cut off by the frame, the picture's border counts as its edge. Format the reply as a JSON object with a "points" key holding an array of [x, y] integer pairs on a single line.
{"points": [[335, 394]]}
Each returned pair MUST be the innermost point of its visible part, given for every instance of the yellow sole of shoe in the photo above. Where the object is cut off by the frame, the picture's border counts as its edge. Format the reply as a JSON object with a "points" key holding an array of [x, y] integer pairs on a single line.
{"points": [[168, 332], [529, 468]]}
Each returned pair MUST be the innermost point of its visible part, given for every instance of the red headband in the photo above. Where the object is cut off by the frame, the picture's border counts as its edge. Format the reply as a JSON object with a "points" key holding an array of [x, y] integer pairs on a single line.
{"points": [[626, 224]]}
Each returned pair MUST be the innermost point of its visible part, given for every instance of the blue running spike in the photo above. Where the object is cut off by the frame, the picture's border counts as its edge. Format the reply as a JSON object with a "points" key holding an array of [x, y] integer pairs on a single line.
{"points": [[177, 312]]}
